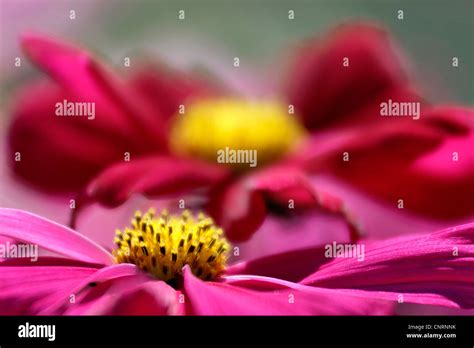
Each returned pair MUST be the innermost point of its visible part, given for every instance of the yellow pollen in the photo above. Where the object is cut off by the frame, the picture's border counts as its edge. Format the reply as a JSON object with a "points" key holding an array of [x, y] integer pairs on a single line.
{"points": [[212, 125], [164, 244]]}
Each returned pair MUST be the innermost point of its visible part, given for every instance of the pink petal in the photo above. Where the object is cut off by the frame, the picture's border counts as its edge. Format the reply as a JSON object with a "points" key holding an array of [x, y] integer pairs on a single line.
{"points": [[118, 290], [281, 234], [241, 206], [432, 269], [409, 160], [104, 275], [45, 288], [151, 176], [237, 208], [292, 265], [33, 229], [210, 298], [22, 289], [81, 147], [417, 168], [325, 92], [165, 89], [373, 214], [130, 297], [77, 71]]}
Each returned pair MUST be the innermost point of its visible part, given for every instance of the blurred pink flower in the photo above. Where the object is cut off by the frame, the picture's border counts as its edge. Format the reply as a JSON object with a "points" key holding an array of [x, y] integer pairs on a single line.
{"points": [[427, 272], [390, 157]]}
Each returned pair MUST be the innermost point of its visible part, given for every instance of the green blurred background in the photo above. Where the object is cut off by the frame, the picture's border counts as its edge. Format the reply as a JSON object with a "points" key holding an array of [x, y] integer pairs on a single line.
{"points": [[257, 31]]}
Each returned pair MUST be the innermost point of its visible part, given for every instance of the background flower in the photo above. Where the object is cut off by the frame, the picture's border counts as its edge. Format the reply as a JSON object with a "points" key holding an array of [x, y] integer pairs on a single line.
{"points": [[142, 128]]}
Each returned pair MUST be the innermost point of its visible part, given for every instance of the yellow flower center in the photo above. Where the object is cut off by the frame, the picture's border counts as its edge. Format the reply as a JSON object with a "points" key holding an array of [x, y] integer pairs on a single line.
{"points": [[163, 245], [231, 128]]}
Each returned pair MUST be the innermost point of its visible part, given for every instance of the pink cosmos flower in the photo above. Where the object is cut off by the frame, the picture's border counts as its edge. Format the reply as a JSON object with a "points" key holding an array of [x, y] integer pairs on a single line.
{"points": [[436, 269], [336, 100]]}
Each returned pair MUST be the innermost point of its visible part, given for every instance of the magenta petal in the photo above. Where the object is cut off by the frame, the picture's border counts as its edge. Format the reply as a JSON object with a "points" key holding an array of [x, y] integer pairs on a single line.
{"points": [[131, 296], [47, 290], [152, 176], [325, 92], [79, 147], [165, 89], [119, 290], [79, 73], [292, 265], [211, 298], [409, 160], [433, 269], [29, 290], [324, 152], [29, 228], [104, 275], [240, 207], [237, 208]]}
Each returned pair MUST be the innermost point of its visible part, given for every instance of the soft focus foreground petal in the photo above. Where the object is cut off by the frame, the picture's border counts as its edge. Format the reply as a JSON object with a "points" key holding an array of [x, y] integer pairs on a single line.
{"points": [[437, 268], [240, 207], [211, 298], [32, 229], [152, 176], [325, 90]]}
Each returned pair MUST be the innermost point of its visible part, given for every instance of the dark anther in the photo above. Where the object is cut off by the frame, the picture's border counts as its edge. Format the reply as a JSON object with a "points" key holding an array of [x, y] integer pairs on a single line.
{"points": [[200, 245]]}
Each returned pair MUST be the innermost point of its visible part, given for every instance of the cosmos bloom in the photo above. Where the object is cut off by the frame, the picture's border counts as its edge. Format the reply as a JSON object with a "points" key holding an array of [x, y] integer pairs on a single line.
{"points": [[170, 264], [336, 88]]}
